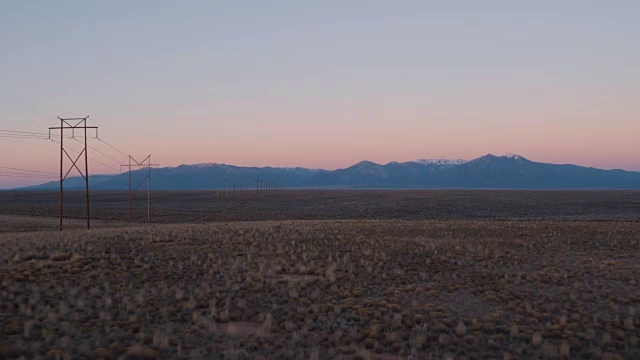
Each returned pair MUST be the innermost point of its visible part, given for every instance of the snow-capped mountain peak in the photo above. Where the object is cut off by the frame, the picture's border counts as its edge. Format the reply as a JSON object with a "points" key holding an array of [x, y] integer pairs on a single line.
{"points": [[441, 161], [204, 165], [515, 157]]}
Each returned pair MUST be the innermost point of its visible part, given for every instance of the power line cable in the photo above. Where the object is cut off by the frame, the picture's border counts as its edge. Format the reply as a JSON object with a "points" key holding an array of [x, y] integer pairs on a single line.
{"points": [[26, 170], [113, 147], [99, 162], [28, 176], [101, 153], [19, 173], [96, 150], [31, 104], [24, 132], [24, 137], [26, 112], [59, 111], [96, 122], [130, 145]]}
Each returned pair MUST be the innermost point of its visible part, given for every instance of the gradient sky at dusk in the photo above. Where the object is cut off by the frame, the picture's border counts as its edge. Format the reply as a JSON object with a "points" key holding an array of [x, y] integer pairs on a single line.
{"points": [[324, 84]]}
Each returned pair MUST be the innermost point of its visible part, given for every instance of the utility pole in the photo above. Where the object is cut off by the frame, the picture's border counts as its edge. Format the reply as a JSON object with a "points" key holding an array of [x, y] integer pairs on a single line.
{"points": [[73, 124], [149, 190], [139, 164], [129, 173]]}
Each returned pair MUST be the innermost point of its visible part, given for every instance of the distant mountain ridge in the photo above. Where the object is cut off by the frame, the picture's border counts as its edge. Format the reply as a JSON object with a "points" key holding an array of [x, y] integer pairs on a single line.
{"points": [[486, 172]]}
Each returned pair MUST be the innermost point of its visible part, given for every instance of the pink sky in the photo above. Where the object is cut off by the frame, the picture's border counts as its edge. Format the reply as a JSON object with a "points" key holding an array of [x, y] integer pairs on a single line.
{"points": [[342, 146]]}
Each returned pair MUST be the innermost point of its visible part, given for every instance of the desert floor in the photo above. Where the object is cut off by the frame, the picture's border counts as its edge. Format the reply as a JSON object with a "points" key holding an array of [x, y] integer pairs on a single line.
{"points": [[323, 275]]}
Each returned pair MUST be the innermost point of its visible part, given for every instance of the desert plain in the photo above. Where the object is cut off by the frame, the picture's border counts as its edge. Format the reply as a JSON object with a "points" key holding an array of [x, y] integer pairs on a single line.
{"points": [[322, 274]]}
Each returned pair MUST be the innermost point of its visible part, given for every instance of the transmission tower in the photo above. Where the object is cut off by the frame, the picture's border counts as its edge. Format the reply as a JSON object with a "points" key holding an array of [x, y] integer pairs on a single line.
{"points": [[74, 124], [139, 164]]}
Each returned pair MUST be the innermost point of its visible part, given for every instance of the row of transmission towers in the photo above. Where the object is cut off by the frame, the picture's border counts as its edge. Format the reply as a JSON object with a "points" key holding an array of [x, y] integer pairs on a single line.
{"points": [[265, 186], [80, 125], [133, 167], [237, 186]]}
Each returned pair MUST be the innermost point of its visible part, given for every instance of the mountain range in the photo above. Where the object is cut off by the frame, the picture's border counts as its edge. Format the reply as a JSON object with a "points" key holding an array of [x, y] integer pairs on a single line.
{"points": [[486, 172]]}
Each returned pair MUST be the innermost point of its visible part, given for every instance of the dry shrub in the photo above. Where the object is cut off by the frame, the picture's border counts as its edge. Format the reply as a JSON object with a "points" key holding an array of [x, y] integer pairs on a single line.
{"points": [[536, 339], [549, 350], [565, 349], [139, 352]]}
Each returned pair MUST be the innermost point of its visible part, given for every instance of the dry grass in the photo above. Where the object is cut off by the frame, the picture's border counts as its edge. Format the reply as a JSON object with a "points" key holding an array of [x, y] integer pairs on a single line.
{"points": [[350, 289]]}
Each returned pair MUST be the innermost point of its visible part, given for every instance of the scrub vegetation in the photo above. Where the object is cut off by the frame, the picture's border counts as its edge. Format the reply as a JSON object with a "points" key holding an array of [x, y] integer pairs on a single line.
{"points": [[324, 290]]}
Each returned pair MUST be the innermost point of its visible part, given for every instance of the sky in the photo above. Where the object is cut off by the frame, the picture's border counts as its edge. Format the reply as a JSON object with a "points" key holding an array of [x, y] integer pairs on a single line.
{"points": [[322, 84]]}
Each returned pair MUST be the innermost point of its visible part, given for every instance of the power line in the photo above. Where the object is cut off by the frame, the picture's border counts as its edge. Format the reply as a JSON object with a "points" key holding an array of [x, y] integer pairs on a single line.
{"points": [[96, 122], [24, 132], [31, 104], [25, 170], [43, 137], [131, 145], [99, 152], [24, 137], [29, 134], [99, 162], [27, 176], [26, 112], [20, 136], [19, 173], [58, 111], [111, 146]]}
